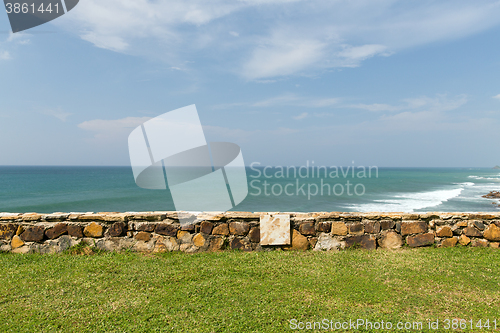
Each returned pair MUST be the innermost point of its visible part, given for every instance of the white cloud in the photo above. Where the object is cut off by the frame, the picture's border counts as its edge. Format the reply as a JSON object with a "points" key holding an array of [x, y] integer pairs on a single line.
{"points": [[321, 102], [376, 107], [438, 103], [362, 52], [5, 55], [105, 41], [57, 113], [291, 37], [19, 37], [112, 129], [282, 58], [238, 135], [301, 116], [497, 96], [9, 44], [285, 100], [352, 56]]}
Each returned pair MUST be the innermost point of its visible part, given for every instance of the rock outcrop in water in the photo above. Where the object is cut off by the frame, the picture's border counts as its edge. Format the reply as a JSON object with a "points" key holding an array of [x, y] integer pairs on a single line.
{"points": [[492, 195]]}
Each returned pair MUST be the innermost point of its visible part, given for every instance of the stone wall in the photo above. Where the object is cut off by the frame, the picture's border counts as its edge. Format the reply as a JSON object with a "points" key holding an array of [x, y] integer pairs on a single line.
{"points": [[161, 231]]}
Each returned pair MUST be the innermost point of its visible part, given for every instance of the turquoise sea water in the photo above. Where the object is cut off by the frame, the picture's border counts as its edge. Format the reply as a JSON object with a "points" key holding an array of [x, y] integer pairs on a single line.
{"points": [[83, 189]]}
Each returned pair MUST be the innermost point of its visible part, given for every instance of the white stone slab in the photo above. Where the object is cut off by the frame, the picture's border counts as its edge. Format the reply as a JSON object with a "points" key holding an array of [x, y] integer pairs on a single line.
{"points": [[275, 229]]}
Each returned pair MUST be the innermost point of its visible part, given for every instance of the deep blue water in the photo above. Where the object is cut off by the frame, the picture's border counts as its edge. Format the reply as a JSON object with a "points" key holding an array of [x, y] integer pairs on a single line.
{"points": [[82, 189]]}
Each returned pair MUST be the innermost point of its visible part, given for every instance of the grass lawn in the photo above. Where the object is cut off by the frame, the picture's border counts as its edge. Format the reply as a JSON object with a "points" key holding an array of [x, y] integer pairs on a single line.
{"points": [[247, 292]]}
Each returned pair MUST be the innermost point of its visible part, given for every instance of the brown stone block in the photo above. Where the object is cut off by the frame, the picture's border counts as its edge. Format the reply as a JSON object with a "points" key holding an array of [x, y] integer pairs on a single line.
{"points": [[239, 228], [31, 217], [464, 240], [216, 244], [117, 229], [75, 231], [240, 244], [221, 229], [430, 216], [33, 234], [365, 241], [420, 240], [478, 242], [409, 228], [16, 242], [478, 224], [9, 217], [449, 242], [472, 232], [356, 228], [307, 228], [444, 232], [199, 240], [184, 237], [324, 226], [152, 216], [390, 240], [372, 227], [339, 228], [387, 224], [492, 233], [409, 217], [143, 236], [242, 215], [313, 241], [482, 216], [166, 229], [254, 235], [299, 242], [91, 217], [188, 227], [58, 230], [206, 227], [146, 226], [93, 230], [20, 230], [7, 230], [115, 217]]}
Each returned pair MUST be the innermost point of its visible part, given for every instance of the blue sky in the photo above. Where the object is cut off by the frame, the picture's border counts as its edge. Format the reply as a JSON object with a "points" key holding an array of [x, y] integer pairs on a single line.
{"points": [[386, 83]]}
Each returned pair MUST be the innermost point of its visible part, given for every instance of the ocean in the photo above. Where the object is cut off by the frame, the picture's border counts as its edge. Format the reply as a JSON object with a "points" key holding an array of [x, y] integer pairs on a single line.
{"points": [[51, 189]]}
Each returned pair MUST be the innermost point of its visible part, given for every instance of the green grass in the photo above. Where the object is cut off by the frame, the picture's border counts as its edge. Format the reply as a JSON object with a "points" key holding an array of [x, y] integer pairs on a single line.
{"points": [[244, 292]]}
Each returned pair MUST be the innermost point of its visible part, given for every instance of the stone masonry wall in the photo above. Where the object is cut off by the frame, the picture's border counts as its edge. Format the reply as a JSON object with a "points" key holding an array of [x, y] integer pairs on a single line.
{"points": [[161, 231]]}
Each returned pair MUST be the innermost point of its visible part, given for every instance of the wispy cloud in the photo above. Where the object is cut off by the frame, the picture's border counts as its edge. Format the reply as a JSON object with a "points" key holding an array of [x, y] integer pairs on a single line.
{"points": [[287, 99], [57, 113], [280, 56], [114, 129], [4, 55], [438, 103], [292, 37], [215, 133], [8, 45], [497, 96], [301, 116], [19, 37]]}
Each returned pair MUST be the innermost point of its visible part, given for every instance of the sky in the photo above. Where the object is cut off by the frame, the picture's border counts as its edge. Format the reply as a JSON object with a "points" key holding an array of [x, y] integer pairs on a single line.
{"points": [[376, 82]]}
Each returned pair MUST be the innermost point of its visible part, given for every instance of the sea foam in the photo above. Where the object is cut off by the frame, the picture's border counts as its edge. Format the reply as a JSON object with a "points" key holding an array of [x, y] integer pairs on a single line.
{"points": [[409, 202]]}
